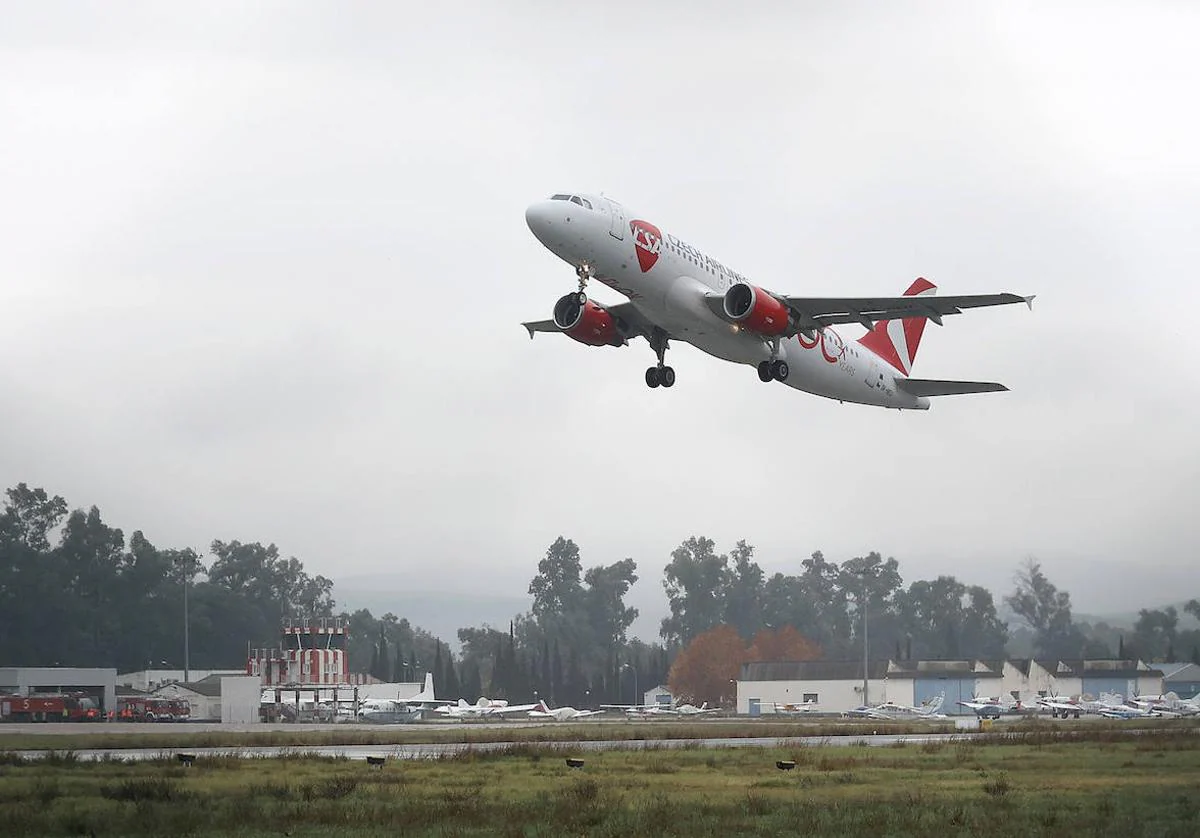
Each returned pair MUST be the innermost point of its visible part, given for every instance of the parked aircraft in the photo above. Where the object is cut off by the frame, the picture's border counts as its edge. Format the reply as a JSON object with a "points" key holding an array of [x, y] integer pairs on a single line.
{"points": [[995, 707], [484, 707], [892, 711], [795, 709], [400, 710], [692, 710], [561, 714], [677, 292]]}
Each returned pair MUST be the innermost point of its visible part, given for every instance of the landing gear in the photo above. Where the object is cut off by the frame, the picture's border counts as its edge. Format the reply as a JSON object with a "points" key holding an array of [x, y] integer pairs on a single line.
{"points": [[584, 272], [660, 375], [772, 371]]}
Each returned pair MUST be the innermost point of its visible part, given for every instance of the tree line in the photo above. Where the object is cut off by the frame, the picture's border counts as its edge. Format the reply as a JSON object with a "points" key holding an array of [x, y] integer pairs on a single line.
{"points": [[74, 591]]}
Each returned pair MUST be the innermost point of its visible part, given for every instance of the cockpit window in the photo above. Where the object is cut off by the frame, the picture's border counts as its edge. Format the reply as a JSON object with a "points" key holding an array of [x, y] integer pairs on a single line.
{"points": [[575, 199]]}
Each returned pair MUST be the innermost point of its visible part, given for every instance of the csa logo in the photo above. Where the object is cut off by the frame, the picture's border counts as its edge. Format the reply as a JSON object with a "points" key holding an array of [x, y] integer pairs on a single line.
{"points": [[647, 241]]}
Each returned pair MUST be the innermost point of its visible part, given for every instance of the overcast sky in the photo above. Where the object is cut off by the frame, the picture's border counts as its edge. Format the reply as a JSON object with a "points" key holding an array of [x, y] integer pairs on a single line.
{"points": [[263, 267]]}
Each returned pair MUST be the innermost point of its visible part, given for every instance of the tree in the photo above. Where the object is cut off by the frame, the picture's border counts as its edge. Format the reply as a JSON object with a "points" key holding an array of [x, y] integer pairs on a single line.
{"points": [[556, 589], [785, 644], [947, 620], [1155, 632], [707, 668], [693, 582], [604, 603], [1047, 611], [743, 591]]}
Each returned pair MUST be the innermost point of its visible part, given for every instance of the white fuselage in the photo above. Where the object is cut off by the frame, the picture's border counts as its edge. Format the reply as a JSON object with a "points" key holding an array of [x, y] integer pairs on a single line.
{"points": [[667, 280]]}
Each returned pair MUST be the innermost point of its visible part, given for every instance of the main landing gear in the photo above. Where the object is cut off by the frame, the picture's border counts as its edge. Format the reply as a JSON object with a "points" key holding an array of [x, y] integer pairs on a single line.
{"points": [[661, 374], [774, 369]]}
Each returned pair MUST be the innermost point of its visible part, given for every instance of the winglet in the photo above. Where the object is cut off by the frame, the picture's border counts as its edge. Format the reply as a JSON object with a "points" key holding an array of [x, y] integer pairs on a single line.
{"points": [[1028, 302], [529, 328]]}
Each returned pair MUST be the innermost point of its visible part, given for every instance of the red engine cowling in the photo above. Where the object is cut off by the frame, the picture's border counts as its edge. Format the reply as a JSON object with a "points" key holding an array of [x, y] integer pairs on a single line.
{"points": [[755, 309], [587, 323]]}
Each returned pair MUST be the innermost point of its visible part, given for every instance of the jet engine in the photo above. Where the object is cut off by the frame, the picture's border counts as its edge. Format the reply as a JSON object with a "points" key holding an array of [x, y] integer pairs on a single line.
{"points": [[587, 322], [755, 309]]}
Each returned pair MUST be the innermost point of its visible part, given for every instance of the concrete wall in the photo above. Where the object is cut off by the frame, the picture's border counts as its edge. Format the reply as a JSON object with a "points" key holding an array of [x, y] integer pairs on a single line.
{"points": [[832, 696], [24, 680], [240, 698]]}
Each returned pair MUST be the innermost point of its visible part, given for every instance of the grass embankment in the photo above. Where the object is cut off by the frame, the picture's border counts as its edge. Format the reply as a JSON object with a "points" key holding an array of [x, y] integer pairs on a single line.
{"points": [[1113, 785]]}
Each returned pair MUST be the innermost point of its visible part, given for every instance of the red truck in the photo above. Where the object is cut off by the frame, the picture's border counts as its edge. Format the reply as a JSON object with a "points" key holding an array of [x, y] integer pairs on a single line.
{"points": [[49, 707], [147, 708]]}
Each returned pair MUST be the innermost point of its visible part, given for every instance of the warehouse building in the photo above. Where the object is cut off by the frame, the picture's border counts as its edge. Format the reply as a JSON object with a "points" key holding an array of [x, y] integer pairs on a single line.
{"points": [[837, 686]]}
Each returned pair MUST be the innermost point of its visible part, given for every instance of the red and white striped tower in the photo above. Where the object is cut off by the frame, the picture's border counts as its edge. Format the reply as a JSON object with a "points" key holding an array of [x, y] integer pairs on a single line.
{"points": [[312, 653]]}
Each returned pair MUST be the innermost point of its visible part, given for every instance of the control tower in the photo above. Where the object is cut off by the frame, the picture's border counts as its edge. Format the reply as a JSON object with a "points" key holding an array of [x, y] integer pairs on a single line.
{"points": [[312, 652]]}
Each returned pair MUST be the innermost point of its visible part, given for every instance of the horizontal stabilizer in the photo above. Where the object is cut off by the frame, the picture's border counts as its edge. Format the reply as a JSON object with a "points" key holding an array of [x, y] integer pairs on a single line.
{"points": [[931, 387]]}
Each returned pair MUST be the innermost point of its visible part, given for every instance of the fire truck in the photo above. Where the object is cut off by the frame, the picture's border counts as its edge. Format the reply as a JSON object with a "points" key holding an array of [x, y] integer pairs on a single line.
{"points": [[148, 708], [49, 707]]}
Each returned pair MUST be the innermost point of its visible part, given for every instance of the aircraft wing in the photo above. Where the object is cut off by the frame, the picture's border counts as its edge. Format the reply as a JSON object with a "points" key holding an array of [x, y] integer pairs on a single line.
{"points": [[630, 322], [815, 312]]}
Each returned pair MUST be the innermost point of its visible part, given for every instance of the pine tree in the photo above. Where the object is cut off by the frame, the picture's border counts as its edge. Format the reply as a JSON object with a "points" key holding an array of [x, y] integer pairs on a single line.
{"points": [[398, 664], [1121, 647], [453, 689], [472, 687], [385, 662], [439, 676]]}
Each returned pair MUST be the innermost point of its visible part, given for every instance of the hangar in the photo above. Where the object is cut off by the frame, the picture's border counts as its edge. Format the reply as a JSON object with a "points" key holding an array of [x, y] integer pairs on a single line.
{"points": [[100, 684], [837, 686]]}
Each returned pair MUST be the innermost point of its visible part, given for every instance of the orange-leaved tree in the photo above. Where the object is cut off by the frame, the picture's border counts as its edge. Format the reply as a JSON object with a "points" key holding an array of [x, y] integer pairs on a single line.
{"points": [[706, 668], [786, 644]]}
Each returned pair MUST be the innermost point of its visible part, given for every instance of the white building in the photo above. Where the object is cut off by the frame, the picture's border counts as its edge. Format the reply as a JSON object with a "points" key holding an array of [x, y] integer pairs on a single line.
{"points": [[837, 686], [834, 685], [203, 696], [660, 695]]}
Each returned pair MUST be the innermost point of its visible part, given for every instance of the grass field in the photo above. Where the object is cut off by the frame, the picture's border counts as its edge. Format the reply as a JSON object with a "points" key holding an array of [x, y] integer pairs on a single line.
{"points": [[1043, 784]]}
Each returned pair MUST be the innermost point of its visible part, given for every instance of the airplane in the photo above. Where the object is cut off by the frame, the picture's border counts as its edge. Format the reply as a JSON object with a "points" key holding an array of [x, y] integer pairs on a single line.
{"points": [[643, 710], [692, 710], [677, 292], [993, 708], [484, 707], [400, 710], [561, 714], [891, 711], [795, 709]]}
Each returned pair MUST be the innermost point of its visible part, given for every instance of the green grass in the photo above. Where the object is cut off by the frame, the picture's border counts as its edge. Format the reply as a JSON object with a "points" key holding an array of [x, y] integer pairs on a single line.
{"points": [[1046, 785]]}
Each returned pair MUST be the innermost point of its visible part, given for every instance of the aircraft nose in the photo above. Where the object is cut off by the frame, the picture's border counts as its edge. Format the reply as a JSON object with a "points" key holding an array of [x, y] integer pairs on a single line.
{"points": [[540, 217]]}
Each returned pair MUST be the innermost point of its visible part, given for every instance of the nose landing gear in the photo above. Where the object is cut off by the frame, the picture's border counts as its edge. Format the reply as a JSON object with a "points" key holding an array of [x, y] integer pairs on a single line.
{"points": [[660, 375], [584, 272]]}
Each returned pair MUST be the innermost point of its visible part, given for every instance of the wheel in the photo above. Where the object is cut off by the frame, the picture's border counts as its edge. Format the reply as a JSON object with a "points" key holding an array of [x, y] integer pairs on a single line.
{"points": [[764, 371], [652, 378], [666, 376], [780, 371], [581, 298]]}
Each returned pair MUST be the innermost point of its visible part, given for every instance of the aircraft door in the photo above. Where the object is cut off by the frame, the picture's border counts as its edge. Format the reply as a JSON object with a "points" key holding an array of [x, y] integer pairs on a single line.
{"points": [[616, 219]]}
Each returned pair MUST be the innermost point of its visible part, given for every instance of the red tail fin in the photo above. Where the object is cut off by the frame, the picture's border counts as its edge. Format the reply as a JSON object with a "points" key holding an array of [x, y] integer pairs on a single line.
{"points": [[896, 341]]}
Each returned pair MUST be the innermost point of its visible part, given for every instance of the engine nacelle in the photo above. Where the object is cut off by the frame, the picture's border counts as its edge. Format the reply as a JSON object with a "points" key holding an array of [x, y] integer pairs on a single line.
{"points": [[755, 309], [587, 323]]}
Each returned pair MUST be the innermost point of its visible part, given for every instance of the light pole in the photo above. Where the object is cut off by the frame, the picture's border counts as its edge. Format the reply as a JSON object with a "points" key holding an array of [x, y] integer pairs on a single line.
{"points": [[635, 684]]}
